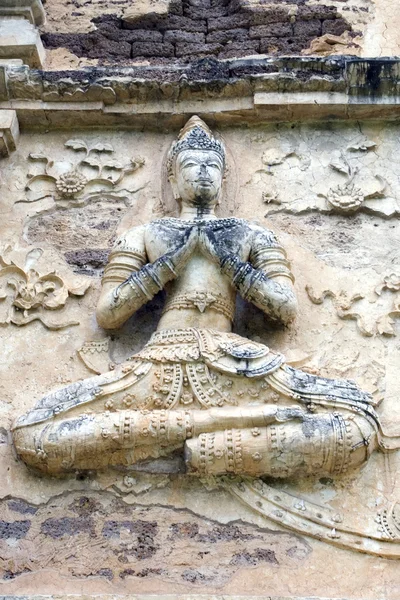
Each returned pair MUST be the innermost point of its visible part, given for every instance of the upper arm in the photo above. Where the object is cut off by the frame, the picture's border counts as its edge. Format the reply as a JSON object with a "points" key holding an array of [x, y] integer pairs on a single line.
{"points": [[269, 256], [128, 255]]}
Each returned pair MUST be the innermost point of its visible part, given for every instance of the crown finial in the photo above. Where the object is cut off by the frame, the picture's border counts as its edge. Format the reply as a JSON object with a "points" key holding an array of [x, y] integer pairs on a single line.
{"points": [[195, 135]]}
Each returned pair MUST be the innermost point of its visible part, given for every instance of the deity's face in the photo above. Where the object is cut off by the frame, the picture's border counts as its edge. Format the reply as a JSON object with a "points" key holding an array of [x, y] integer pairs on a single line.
{"points": [[197, 178]]}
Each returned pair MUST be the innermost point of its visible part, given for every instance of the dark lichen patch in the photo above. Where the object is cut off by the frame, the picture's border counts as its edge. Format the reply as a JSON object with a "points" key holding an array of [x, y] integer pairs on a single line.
{"points": [[142, 545], [98, 535], [83, 234], [66, 526], [184, 530], [14, 529], [10, 575], [21, 507], [224, 533], [126, 573], [105, 572], [149, 572], [260, 555], [85, 506], [88, 261]]}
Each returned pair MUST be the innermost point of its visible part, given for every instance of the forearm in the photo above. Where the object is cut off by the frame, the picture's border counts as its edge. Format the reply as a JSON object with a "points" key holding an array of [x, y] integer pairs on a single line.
{"points": [[272, 297], [117, 304]]}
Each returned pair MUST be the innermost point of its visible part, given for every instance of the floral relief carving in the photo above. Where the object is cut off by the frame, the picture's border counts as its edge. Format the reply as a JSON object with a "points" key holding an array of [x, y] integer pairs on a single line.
{"points": [[345, 198], [26, 295], [345, 180], [349, 197], [382, 322], [92, 173]]}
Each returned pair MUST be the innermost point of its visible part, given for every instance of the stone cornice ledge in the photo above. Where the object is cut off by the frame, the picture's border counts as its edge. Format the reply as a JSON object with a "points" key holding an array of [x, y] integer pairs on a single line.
{"points": [[241, 91], [32, 10]]}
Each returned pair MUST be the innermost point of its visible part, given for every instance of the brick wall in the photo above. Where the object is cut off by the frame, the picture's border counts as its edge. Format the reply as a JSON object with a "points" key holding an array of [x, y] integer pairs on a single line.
{"points": [[195, 29]]}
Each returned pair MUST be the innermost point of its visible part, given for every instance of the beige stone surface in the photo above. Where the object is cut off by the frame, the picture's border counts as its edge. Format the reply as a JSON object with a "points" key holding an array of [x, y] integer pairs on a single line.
{"points": [[32, 10], [62, 17], [9, 131], [330, 194], [20, 39]]}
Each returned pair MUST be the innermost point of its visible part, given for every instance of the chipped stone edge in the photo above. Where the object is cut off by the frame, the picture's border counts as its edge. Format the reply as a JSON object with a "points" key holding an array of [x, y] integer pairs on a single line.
{"points": [[241, 91], [32, 10], [9, 132]]}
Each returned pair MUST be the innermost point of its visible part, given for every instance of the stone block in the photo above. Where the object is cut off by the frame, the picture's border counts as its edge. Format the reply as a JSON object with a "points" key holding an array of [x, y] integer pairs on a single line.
{"points": [[231, 22], [192, 37], [9, 132], [184, 23], [196, 49], [152, 49], [151, 21], [238, 49], [20, 39], [97, 46], [175, 7], [271, 30], [32, 10], [308, 28], [273, 45], [196, 12], [142, 8], [173, 22], [336, 27], [112, 32], [199, 4], [229, 35], [317, 12], [3, 79], [272, 14], [143, 35]]}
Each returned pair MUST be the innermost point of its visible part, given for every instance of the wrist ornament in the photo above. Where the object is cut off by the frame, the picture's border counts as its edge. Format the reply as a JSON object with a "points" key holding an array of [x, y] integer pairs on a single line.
{"points": [[147, 282], [242, 274]]}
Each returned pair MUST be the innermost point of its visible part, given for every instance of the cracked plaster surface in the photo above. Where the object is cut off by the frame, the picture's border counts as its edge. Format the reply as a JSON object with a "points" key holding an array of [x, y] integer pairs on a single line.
{"points": [[346, 253]]}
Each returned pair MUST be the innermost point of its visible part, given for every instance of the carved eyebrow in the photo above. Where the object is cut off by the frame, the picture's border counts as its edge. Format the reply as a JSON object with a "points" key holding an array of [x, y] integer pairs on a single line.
{"points": [[208, 161]]}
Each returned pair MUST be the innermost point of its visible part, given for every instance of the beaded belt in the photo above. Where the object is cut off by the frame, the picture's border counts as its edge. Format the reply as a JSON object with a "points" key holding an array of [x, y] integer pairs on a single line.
{"points": [[201, 301]]}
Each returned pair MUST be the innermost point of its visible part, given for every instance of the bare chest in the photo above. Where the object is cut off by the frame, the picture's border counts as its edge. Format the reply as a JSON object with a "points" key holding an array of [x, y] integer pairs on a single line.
{"points": [[233, 236]]}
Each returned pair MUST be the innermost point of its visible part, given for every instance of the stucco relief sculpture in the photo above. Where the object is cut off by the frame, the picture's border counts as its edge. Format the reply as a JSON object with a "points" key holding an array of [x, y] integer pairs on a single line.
{"points": [[381, 321], [72, 182], [27, 296], [226, 404]]}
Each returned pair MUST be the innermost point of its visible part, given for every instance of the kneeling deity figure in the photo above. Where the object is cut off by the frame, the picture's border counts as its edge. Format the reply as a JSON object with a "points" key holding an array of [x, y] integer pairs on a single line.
{"points": [[225, 404]]}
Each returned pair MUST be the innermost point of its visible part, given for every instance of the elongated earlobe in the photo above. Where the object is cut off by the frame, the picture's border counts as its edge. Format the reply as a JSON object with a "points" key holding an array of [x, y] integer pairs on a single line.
{"points": [[174, 186]]}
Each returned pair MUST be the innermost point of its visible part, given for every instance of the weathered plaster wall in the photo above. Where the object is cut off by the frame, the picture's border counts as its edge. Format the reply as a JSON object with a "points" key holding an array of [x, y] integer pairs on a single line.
{"points": [[185, 30], [80, 33], [119, 532]]}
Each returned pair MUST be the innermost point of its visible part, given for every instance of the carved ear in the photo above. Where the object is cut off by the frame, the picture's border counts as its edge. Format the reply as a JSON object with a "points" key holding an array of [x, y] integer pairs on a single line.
{"points": [[174, 185]]}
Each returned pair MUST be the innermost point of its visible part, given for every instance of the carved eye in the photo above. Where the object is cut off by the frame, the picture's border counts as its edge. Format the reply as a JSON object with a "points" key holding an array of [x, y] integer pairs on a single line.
{"points": [[189, 164], [214, 165]]}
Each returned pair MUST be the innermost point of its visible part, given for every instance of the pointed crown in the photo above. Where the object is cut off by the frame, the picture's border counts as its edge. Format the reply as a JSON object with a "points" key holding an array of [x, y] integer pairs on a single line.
{"points": [[195, 135]]}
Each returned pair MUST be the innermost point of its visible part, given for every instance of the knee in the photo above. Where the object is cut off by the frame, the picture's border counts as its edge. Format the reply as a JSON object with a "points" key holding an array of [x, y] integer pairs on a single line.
{"points": [[25, 440]]}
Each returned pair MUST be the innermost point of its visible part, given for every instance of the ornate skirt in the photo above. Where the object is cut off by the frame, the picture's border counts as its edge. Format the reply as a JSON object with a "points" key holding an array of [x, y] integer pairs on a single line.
{"points": [[228, 404]]}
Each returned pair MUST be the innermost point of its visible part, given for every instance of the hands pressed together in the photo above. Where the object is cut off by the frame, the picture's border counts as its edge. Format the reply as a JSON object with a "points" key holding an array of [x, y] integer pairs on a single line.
{"points": [[198, 238]]}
